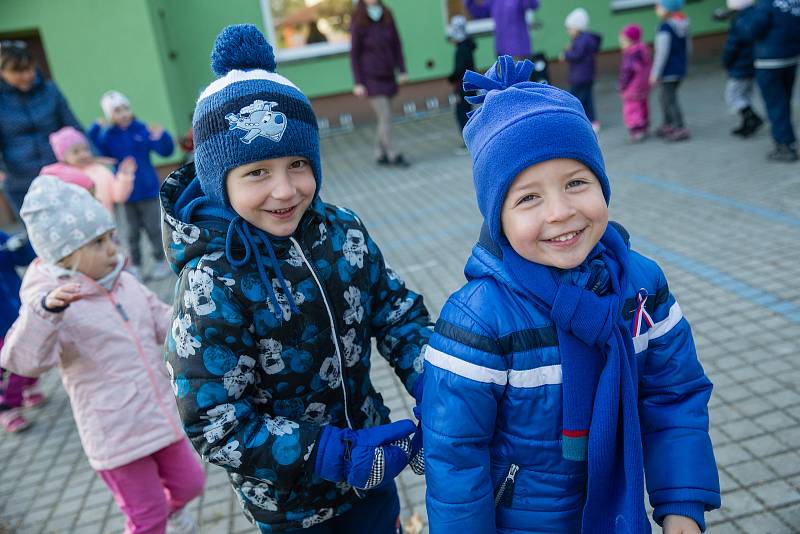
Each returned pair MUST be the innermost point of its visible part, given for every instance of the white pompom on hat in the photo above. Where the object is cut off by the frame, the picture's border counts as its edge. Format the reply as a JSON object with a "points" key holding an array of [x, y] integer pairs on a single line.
{"points": [[578, 19]]}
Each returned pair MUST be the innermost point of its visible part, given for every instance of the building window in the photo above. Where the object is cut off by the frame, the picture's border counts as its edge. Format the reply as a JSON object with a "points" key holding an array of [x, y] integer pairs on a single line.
{"points": [[301, 29], [619, 5]]}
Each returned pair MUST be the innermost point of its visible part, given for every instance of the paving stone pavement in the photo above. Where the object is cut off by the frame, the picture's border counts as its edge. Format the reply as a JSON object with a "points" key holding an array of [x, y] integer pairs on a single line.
{"points": [[723, 223]]}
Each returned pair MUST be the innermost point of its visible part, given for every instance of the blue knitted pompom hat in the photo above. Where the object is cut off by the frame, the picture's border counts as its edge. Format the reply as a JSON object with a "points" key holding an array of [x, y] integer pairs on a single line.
{"points": [[249, 113], [671, 5], [521, 123]]}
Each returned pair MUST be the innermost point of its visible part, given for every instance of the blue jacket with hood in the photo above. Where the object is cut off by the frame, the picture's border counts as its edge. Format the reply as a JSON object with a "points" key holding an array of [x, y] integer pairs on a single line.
{"points": [[774, 27], [738, 53], [492, 411]]}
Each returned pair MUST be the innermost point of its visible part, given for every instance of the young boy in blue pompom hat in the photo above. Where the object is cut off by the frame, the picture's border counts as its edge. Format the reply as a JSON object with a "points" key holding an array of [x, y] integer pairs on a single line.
{"points": [[563, 372], [278, 298]]}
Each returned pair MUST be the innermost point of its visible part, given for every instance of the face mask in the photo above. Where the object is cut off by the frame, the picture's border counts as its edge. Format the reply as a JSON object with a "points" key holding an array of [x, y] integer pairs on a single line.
{"points": [[375, 12]]}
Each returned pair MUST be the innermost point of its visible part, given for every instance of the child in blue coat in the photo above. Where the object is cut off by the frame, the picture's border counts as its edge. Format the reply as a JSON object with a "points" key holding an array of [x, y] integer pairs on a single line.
{"points": [[563, 373], [126, 137], [278, 299], [738, 60]]}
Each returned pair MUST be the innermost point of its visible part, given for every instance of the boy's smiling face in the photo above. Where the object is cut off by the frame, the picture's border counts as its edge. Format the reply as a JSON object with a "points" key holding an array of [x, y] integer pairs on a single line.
{"points": [[272, 194], [554, 213]]}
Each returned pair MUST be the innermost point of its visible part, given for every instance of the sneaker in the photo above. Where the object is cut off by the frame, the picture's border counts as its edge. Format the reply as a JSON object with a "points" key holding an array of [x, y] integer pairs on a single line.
{"points": [[783, 153], [382, 160], [596, 127], [664, 130], [678, 134], [12, 420], [159, 271], [181, 522], [33, 397]]}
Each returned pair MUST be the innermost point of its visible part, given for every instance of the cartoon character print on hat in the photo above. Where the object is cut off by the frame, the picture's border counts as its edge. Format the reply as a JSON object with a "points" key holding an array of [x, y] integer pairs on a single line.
{"points": [[258, 120]]}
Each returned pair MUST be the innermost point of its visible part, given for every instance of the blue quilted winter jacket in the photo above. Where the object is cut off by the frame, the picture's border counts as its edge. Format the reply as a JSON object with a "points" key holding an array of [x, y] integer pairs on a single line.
{"points": [[26, 122], [492, 410]]}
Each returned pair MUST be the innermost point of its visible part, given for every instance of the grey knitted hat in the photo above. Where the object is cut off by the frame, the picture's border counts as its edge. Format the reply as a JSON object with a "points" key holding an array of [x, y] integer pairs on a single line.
{"points": [[61, 218]]}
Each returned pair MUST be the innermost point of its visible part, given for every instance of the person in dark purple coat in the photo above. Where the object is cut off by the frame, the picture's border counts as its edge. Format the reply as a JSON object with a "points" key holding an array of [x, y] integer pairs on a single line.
{"points": [[581, 58], [376, 56]]}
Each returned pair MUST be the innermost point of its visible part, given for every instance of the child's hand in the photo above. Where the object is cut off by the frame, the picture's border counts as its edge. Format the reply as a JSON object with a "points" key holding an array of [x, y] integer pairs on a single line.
{"points": [[156, 131], [678, 524], [562, 56], [653, 81], [2, 177], [128, 165], [402, 78], [101, 121], [108, 162], [359, 90], [63, 296]]}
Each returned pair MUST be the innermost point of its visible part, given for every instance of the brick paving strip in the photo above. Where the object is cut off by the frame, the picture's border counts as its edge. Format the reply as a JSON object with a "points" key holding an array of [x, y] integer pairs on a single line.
{"points": [[723, 223]]}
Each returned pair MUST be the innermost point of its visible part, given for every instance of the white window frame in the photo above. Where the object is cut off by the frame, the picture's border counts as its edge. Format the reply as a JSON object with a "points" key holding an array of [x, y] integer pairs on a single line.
{"points": [[300, 53], [619, 5]]}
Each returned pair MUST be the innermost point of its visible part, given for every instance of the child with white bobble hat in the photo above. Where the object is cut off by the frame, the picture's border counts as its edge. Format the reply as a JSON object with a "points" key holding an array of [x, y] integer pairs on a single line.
{"points": [[278, 298], [580, 55], [103, 329]]}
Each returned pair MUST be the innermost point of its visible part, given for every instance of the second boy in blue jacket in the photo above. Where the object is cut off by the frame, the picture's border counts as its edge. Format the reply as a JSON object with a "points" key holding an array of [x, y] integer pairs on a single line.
{"points": [[563, 371]]}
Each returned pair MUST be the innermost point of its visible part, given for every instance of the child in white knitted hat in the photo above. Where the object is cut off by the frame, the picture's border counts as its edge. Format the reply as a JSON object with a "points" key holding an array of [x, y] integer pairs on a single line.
{"points": [[103, 329]]}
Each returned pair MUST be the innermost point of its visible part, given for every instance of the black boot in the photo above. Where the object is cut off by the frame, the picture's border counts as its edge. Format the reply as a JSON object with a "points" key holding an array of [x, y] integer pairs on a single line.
{"points": [[743, 125], [752, 122]]}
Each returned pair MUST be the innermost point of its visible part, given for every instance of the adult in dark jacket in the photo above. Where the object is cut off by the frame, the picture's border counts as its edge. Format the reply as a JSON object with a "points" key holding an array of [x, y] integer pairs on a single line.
{"points": [[738, 60], [774, 28], [376, 55], [31, 108], [464, 61]]}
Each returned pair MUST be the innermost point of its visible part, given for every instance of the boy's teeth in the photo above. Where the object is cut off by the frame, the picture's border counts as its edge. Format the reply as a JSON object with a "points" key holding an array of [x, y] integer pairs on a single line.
{"points": [[565, 237], [281, 211]]}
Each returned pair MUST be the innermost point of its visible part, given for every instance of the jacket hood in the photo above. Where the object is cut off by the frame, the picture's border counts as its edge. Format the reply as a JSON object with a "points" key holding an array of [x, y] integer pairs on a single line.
{"points": [[486, 261], [206, 234], [593, 40], [680, 24]]}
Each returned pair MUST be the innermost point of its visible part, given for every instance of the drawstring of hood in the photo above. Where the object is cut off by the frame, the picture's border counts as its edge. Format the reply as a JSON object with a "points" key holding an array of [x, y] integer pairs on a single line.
{"points": [[238, 229]]}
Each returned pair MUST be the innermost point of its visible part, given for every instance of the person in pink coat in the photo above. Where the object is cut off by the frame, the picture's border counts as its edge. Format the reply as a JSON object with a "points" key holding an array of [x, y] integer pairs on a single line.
{"points": [[74, 157], [634, 83], [104, 330]]}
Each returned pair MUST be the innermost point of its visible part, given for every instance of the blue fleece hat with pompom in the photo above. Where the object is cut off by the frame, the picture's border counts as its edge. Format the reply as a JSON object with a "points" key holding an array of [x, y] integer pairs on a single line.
{"points": [[672, 6], [521, 123], [249, 113]]}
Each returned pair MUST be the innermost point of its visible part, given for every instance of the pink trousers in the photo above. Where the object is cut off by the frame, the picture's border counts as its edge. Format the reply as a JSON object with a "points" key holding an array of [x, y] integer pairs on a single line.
{"points": [[149, 489], [635, 114]]}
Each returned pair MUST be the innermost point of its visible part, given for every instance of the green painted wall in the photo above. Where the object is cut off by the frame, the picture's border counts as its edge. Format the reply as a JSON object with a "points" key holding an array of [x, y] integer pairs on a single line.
{"points": [[157, 51], [96, 45]]}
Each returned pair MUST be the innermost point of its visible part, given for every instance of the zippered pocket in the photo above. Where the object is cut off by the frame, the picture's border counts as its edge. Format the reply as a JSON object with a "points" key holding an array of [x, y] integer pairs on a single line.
{"points": [[505, 493]]}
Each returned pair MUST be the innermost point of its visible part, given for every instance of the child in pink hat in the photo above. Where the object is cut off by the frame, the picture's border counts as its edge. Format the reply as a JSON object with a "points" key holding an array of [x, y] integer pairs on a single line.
{"points": [[634, 86], [77, 165]]}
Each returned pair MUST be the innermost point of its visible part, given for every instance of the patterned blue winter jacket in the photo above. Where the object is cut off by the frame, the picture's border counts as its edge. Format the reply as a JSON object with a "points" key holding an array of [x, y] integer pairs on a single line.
{"points": [[255, 385], [774, 27], [26, 122], [492, 410]]}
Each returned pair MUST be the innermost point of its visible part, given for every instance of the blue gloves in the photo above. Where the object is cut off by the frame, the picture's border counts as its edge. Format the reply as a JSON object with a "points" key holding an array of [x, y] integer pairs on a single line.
{"points": [[364, 458]]}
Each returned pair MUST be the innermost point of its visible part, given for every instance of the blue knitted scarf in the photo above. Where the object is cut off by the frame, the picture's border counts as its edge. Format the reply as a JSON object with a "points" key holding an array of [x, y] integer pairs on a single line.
{"points": [[600, 415]]}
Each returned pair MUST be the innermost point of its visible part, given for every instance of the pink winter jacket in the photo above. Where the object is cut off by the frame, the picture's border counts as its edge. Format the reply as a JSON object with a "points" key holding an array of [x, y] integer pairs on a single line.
{"points": [[108, 348]]}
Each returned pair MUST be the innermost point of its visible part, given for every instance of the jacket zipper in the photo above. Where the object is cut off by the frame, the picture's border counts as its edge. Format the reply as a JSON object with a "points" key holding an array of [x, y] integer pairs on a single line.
{"points": [[506, 489], [125, 320], [334, 335]]}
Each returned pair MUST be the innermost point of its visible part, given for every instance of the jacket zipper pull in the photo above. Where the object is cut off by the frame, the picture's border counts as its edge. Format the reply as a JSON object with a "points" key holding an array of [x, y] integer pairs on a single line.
{"points": [[121, 311], [505, 493]]}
